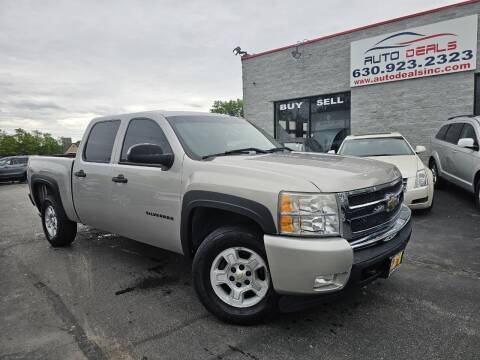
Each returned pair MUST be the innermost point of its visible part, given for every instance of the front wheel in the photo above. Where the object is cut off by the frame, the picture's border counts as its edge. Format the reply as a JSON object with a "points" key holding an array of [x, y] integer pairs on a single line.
{"points": [[231, 276], [477, 194], [58, 229], [437, 181]]}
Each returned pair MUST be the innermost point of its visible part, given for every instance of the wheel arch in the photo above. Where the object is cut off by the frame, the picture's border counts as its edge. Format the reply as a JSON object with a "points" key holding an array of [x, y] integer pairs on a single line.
{"points": [[475, 179], [43, 186], [203, 211]]}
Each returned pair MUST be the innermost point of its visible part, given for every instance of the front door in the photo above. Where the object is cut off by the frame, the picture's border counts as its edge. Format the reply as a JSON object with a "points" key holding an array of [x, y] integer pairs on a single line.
{"points": [[146, 205], [92, 175]]}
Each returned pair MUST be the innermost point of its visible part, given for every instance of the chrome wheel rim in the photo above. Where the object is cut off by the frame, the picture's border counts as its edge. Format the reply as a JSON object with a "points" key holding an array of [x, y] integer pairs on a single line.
{"points": [[239, 277], [51, 222]]}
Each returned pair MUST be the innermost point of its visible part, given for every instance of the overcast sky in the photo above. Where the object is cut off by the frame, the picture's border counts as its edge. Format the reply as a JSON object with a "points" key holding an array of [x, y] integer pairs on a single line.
{"points": [[65, 62]]}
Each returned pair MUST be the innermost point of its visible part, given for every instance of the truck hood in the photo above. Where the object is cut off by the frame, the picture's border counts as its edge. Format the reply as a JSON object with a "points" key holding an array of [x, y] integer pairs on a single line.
{"points": [[329, 173], [407, 164]]}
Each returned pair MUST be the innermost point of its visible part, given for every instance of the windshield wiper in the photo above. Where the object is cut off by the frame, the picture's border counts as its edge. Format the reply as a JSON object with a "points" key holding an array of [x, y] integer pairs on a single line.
{"points": [[236, 151], [274, 150]]}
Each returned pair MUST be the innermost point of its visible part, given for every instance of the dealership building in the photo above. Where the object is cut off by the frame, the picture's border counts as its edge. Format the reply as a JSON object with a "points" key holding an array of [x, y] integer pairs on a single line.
{"points": [[408, 74]]}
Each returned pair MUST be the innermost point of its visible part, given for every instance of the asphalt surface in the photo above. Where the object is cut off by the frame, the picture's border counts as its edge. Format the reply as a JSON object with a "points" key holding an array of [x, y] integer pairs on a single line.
{"points": [[111, 297]]}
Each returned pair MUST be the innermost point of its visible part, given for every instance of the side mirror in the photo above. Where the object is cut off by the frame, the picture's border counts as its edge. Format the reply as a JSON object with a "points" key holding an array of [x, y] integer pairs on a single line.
{"points": [[331, 152], [468, 143], [149, 154], [420, 149]]}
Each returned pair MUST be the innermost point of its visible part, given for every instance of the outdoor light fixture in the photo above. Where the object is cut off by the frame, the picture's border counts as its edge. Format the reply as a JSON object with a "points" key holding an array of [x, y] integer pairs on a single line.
{"points": [[238, 51]]}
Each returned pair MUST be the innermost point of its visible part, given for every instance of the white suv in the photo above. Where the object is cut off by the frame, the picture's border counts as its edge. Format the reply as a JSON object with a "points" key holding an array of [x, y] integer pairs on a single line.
{"points": [[455, 154]]}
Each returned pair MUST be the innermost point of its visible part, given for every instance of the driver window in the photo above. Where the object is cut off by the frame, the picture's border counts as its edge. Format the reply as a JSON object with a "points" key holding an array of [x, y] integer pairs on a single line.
{"points": [[144, 131], [469, 132]]}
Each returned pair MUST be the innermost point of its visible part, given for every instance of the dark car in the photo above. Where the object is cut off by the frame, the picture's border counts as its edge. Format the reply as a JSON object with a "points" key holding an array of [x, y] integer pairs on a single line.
{"points": [[302, 144], [13, 168]]}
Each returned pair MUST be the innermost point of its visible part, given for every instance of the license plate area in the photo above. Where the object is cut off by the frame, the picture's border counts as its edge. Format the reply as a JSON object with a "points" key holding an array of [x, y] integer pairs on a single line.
{"points": [[395, 262]]}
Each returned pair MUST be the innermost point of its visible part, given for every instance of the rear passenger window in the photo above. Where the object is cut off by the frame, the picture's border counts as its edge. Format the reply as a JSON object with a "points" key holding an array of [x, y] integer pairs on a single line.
{"points": [[144, 131], [441, 133], [453, 133], [99, 144]]}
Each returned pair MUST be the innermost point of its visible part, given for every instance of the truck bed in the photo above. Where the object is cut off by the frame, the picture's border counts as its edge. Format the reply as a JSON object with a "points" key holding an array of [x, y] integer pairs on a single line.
{"points": [[56, 170]]}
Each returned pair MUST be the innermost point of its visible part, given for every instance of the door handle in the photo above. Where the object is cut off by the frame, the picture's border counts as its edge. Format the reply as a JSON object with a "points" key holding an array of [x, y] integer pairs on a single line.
{"points": [[80, 173], [120, 179]]}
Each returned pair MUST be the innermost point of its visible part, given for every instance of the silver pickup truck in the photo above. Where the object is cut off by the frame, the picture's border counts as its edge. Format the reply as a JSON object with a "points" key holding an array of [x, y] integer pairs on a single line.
{"points": [[259, 221]]}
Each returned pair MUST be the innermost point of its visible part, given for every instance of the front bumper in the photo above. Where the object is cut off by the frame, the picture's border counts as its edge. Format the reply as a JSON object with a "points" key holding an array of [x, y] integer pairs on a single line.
{"points": [[295, 263], [419, 198]]}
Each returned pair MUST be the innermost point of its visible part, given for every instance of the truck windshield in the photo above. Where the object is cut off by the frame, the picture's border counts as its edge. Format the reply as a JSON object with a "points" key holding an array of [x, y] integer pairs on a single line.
{"points": [[376, 147], [204, 136]]}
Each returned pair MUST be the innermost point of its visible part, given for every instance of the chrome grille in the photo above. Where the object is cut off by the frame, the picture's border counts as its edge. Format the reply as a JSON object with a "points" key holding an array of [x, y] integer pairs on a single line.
{"points": [[370, 210]]}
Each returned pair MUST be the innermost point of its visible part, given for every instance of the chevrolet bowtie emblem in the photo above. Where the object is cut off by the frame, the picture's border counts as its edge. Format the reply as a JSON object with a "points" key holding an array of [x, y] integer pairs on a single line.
{"points": [[392, 202]]}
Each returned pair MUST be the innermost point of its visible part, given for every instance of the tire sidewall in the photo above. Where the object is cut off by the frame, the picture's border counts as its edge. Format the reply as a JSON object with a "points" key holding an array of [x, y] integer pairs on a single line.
{"points": [[213, 244], [46, 203], [477, 194]]}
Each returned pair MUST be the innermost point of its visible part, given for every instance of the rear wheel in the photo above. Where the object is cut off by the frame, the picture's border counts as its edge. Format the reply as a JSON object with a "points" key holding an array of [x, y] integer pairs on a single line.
{"points": [[231, 276], [58, 229]]}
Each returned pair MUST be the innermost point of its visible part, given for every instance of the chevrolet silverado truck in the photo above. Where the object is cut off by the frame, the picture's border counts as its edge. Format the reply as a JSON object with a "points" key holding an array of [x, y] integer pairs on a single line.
{"points": [[258, 220]]}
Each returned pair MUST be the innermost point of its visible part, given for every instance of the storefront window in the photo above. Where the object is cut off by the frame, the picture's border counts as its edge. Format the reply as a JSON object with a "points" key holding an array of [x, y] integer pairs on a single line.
{"points": [[292, 118], [330, 120], [476, 105], [325, 118]]}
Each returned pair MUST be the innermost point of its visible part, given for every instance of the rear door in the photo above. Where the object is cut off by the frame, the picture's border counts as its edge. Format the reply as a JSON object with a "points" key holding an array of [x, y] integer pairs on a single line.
{"points": [[146, 206], [462, 164], [92, 175], [450, 147], [440, 146]]}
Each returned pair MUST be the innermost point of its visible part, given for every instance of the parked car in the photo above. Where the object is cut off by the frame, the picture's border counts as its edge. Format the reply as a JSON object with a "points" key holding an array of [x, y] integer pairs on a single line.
{"points": [[13, 168], [393, 148], [258, 221], [302, 144], [455, 154]]}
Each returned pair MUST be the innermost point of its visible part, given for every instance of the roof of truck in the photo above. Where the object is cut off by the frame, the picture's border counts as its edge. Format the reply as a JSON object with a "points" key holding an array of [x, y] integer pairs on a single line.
{"points": [[154, 113], [374, 135]]}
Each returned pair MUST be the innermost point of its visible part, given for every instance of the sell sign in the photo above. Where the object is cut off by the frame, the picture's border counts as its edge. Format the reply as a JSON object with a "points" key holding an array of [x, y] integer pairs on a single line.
{"points": [[441, 48]]}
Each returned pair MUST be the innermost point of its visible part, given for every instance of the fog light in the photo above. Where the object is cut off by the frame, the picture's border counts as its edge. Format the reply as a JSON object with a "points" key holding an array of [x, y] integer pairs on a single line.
{"points": [[322, 281], [330, 282]]}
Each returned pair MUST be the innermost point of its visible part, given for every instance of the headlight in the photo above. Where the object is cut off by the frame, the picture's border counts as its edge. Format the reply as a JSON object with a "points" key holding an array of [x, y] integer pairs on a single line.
{"points": [[308, 214], [421, 179]]}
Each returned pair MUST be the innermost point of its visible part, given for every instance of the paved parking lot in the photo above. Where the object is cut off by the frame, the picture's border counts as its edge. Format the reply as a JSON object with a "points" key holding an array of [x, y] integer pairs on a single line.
{"points": [[111, 297]]}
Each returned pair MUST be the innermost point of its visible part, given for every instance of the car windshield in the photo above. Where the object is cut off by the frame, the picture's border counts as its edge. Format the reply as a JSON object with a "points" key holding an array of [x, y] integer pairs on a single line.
{"points": [[202, 136], [376, 147], [3, 162]]}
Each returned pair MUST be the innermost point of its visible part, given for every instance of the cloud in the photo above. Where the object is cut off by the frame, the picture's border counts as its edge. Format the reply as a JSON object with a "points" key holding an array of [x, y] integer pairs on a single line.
{"points": [[64, 62]]}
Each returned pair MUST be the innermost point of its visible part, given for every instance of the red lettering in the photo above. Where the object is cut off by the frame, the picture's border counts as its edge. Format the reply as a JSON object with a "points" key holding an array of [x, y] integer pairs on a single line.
{"points": [[451, 45], [410, 53], [431, 47]]}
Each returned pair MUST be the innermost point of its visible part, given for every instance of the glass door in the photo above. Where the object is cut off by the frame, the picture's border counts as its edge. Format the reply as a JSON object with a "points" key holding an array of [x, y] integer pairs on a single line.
{"points": [[292, 118], [330, 120]]}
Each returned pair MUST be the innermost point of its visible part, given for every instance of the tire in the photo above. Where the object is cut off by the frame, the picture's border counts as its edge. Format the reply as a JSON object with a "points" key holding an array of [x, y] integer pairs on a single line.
{"points": [[437, 180], [237, 242], [58, 229], [477, 194]]}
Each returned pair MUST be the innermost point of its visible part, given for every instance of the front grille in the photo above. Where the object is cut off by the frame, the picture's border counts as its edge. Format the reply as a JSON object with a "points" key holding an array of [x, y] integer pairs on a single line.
{"points": [[370, 210]]}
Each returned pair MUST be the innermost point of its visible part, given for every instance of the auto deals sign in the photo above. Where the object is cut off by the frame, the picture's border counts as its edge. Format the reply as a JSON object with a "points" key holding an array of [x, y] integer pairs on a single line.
{"points": [[436, 49]]}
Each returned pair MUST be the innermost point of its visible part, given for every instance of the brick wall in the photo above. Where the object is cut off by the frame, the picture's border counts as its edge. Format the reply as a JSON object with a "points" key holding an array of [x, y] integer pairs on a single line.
{"points": [[415, 107]]}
